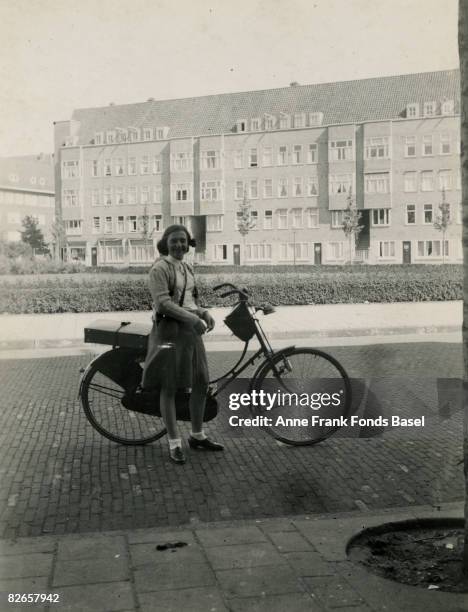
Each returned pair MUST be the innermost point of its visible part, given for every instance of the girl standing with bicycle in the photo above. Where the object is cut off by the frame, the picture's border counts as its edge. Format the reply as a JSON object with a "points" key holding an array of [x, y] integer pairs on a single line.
{"points": [[177, 319]]}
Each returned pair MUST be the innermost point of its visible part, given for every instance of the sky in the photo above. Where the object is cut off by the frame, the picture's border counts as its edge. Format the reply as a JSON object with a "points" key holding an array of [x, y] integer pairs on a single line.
{"points": [[58, 55]]}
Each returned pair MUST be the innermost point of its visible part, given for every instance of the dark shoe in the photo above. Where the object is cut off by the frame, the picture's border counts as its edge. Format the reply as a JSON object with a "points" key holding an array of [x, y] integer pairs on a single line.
{"points": [[206, 444], [176, 454]]}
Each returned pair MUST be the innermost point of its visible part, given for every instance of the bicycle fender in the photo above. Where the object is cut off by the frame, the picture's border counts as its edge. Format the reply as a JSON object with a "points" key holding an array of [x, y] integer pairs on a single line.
{"points": [[265, 362], [108, 357], [85, 371]]}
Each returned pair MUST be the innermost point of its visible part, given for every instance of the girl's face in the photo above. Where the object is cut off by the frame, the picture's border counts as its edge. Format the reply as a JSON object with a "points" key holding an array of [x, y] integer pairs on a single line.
{"points": [[177, 244]]}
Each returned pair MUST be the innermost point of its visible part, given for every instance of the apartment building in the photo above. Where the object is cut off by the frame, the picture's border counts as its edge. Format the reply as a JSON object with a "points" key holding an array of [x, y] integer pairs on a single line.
{"points": [[26, 189], [296, 155]]}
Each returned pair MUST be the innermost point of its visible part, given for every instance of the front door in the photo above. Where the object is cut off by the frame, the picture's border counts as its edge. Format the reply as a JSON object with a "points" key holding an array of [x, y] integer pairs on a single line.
{"points": [[317, 253], [94, 256], [406, 252], [236, 253]]}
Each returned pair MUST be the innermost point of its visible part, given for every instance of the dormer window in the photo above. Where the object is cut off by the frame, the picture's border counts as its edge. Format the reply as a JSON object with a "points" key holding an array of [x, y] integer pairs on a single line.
{"points": [[147, 134], [270, 121], [121, 135], [429, 109], [299, 120], [110, 137], [255, 125], [447, 107], [315, 119], [284, 121], [241, 125], [162, 133], [99, 138], [412, 111], [133, 134]]}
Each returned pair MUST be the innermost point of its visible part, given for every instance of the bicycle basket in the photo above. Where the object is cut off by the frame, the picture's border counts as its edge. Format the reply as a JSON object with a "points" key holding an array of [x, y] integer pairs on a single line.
{"points": [[240, 322]]}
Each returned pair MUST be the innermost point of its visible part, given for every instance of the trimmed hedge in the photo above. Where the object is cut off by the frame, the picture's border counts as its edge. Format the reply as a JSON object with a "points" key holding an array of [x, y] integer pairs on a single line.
{"points": [[95, 293]]}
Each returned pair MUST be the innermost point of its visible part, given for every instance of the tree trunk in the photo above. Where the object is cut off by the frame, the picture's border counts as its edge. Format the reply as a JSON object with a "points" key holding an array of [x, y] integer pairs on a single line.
{"points": [[463, 51]]}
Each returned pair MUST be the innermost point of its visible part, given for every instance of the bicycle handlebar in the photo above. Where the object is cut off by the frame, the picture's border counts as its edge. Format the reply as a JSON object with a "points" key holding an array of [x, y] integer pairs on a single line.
{"points": [[242, 293]]}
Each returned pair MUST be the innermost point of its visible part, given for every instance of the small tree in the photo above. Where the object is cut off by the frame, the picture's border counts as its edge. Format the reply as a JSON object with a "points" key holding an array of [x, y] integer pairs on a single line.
{"points": [[350, 224], [146, 230], [33, 236], [245, 222], [443, 221]]}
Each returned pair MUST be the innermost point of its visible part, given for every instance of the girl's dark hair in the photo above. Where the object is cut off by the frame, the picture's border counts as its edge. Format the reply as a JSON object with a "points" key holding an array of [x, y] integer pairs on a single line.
{"points": [[162, 244]]}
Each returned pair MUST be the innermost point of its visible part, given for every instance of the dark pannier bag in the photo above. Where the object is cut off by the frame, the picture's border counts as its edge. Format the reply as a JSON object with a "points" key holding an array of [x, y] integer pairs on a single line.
{"points": [[240, 322]]}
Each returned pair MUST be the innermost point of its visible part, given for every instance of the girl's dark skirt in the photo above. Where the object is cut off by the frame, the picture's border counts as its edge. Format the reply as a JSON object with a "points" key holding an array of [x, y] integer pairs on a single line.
{"points": [[179, 367]]}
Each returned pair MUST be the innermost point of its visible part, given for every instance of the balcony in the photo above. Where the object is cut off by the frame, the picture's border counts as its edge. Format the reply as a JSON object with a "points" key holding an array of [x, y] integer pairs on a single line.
{"points": [[182, 208]]}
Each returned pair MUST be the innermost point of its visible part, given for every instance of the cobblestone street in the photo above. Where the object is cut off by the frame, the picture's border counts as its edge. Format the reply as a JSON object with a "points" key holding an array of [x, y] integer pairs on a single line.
{"points": [[60, 476]]}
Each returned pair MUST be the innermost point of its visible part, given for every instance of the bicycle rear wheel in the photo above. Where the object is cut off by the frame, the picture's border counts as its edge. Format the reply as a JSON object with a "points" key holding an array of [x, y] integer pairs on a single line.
{"points": [[304, 385], [103, 387]]}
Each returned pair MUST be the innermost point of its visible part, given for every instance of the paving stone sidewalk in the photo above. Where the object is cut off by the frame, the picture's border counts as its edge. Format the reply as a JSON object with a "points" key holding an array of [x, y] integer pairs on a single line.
{"points": [[295, 564]]}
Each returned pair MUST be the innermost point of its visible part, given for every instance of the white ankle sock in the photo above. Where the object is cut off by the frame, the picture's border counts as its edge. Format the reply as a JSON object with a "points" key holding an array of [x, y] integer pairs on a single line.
{"points": [[198, 436], [174, 443]]}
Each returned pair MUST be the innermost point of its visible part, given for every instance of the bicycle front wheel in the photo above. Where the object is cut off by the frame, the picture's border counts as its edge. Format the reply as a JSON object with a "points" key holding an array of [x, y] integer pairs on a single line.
{"points": [[102, 389], [306, 396]]}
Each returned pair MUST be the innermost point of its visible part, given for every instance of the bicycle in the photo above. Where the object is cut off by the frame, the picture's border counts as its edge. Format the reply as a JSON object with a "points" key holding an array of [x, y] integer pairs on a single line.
{"points": [[286, 374]]}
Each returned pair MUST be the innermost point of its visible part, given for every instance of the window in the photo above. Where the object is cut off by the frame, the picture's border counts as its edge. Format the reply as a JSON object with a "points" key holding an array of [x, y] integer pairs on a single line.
{"points": [[120, 226], [73, 227], [297, 154], [210, 191], [445, 144], [428, 214], [238, 159], [160, 133], [429, 109], [340, 183], [410, 146], [180, 161], [144, 194], [111, 253], [381, 216], [210, 160], [445, 180], [108, 225], [107, 196], [131, 195], [258, 252], [282, 214], [254, 218], [315, 119], [297, 187], [268, 219], [427, 180], [147, 134], [291, 251], [447, 107], [220, 252], [312, 186], [144, 165], [181, 192], [299, 120], [70, 197], [410, 214], [282, 156], [427, 148], [157, 194], [253, 159], [131, 166], [377, 183], [132, 223], [107, 167], [239, 190], [96, 225], [387, 248], [253, 189], [335, 250], [70, 169], [267, 156], [156, 223], [412, 111], [284, 121], [283, 188], [341, 150], [119, 166], [157, 166], [269, 122], [376, 148], [312, 218], [296, 218], [214, 223], [94, 167], [110, 137], [141, 252], [95, 197], [132, 135], [337, 217], [312, 154], [268, 188], [410, 182], [432, 248], [119, 196], [98, 138], [255, 125]]}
